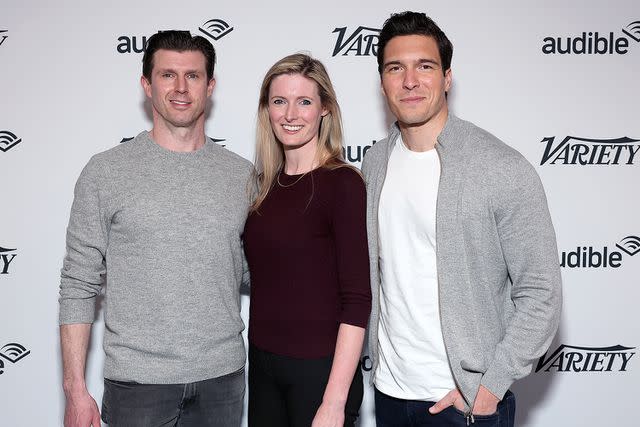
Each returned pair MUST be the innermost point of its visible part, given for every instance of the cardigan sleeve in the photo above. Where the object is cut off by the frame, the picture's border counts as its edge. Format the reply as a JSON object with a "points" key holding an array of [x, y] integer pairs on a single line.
{"points": [[529, 248]]}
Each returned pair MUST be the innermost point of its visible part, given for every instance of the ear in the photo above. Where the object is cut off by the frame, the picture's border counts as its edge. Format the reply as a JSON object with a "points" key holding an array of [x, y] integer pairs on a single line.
{"points": [[324, 111], [146, 85], [447, 79], [210, 86]]}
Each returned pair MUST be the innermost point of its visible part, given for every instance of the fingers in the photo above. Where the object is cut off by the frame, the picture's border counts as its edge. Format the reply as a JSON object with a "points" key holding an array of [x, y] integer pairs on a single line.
{"points": [[96, 420], [448, 400]]}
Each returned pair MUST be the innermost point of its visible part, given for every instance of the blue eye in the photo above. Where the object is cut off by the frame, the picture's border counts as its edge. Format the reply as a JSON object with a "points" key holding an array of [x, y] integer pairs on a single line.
{"points": [[305, 102], [278, 101]]}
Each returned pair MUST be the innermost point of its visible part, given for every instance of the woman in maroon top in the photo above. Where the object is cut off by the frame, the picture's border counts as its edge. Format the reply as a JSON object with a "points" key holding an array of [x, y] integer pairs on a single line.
{"points": [[306, 246]]}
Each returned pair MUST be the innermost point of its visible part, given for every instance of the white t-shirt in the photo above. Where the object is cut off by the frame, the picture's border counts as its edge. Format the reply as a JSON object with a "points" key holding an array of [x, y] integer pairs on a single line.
{"points": [[413, 362]]}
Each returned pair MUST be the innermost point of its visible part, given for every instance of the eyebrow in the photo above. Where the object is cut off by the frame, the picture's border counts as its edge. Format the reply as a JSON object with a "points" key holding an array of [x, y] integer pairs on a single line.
{"points": [[419, 61], [171, 70]]}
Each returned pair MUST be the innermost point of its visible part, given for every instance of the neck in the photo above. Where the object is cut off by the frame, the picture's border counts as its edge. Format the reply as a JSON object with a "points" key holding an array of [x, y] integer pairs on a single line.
{"points": [[180, 139], [300, 159], [423, 137]]}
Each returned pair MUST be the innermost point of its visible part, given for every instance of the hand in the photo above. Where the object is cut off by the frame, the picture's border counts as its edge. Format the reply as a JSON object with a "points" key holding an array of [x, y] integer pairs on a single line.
{"points": [[329, 415], [453, 398], [81, 411], [486, 403]]}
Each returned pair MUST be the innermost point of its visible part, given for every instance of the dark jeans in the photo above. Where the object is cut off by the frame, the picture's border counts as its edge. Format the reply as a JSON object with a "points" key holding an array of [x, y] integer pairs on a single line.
{"points": [[213, 402], [393, 412], [287, 391]]}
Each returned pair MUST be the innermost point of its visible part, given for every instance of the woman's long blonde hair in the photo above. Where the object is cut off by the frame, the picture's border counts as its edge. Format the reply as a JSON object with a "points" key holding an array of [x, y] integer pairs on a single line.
{"points": [[269, 152]]}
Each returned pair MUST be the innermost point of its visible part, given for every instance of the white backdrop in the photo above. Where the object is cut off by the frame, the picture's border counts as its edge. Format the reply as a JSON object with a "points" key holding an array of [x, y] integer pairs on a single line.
{"points": [[68, 92]]}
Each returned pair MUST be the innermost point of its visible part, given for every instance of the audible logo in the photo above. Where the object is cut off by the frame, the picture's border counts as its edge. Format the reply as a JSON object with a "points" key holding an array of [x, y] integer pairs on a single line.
{"points": [[213, 28], [593, 42], [13, 352], [592, 257], [8, 140]]}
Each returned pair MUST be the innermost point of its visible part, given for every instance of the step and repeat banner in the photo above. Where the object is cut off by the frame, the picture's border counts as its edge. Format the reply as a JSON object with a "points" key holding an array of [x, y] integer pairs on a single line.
{"points": [[557, 80]]}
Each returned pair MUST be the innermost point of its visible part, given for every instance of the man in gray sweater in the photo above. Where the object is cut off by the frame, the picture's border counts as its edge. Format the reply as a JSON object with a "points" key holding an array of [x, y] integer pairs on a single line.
{"points": [[464, 266], [159, 219]]}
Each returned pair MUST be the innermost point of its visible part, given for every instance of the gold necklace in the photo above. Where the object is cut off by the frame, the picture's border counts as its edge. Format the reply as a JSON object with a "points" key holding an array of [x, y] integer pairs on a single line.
{"points": [[289, 185]]}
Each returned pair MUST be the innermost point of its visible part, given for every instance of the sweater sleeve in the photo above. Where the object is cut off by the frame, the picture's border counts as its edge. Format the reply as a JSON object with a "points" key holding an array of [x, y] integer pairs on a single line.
{"points": [[529, 247], [84, 266], [350, 236]]}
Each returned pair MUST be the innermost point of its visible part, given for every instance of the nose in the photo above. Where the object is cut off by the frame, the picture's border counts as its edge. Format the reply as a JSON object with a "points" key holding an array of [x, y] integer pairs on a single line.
{"points": [[291, 112], [181, 84], [410, 80]]}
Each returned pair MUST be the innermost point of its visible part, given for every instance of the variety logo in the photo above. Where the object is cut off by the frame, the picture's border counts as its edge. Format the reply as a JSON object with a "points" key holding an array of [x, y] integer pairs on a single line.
{"points": [[568, 358], [6, 256], [591, 257], [13, 352], [3, 36], [593, 42], [213, 28], [361, 42], [8, 140], [587, 151]]}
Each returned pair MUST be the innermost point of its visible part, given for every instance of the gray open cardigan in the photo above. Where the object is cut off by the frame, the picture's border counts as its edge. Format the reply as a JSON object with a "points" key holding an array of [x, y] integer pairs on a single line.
{"points": [[498, 269]]}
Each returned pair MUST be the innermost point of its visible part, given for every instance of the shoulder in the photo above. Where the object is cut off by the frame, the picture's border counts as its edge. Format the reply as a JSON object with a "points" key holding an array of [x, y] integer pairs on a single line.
{"points": [[123, 151], [489, 152], [345, 175], [232, 160], [378, 150]]}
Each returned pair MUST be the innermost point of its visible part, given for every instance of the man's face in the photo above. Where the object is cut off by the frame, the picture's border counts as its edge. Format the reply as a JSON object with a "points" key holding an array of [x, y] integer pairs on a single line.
{"points": [[413, 81], [179, 88]]}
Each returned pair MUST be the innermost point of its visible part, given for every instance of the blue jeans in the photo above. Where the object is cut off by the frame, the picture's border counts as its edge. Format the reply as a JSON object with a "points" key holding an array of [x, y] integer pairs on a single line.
{"points": [[393, 412], [213, 402]]}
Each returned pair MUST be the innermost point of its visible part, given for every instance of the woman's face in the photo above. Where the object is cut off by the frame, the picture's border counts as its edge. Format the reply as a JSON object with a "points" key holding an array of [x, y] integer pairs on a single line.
{"points": [[295, 110]]}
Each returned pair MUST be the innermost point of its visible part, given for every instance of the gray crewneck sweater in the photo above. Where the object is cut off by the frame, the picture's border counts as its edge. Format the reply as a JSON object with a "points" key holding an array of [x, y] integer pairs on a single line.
{"points": [[164, 228]]}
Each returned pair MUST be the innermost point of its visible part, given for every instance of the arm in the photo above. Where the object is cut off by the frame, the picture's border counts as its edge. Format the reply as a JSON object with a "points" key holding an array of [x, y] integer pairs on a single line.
{"points": [[352, 254], [345, 363], [529, 248], [81, 280], [81, 409]]}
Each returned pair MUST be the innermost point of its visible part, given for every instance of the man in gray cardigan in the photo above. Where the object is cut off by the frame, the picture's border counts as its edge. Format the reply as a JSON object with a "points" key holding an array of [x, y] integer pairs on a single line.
{"points": [[160, 218], [464, 265]]}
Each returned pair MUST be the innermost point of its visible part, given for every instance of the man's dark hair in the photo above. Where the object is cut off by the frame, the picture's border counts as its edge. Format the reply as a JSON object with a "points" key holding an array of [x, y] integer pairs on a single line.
{"points": [[414, 23], [177, 41]]}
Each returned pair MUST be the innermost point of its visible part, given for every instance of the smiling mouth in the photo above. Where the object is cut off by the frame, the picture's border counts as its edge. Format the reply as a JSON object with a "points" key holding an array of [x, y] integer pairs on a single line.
{"points": [[292, 128], [412, 99], [176, 102]]}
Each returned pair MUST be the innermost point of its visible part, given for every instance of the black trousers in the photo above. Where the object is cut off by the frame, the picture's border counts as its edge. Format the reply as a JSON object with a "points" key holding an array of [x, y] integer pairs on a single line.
{"points": [[286, 391]]}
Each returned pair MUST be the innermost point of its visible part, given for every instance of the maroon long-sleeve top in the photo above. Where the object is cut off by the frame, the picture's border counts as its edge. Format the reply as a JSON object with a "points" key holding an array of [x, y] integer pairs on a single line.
{"points": [[308, 257]]}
